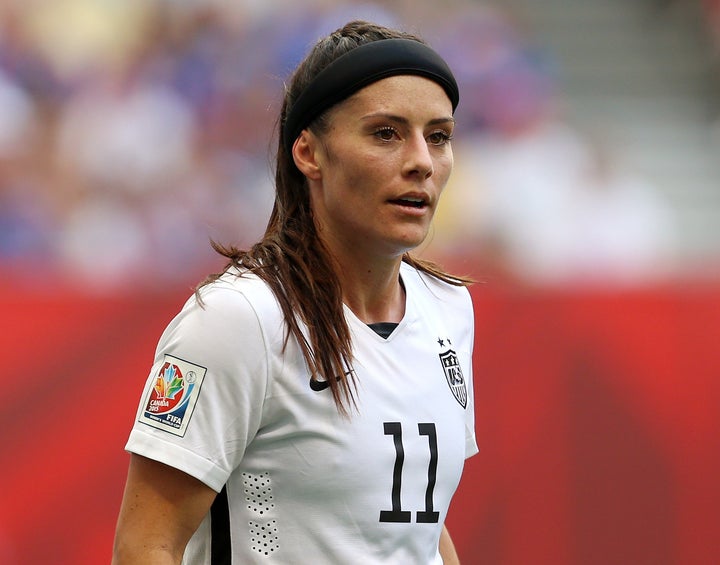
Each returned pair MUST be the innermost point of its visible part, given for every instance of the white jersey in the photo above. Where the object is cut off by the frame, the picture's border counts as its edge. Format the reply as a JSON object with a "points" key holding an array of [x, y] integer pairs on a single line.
{"points": [[298, 482]]}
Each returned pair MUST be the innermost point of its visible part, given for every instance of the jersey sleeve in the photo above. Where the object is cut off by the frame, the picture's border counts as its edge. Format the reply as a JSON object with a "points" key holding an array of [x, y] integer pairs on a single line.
{"points": [[203, 400], [471, 447]]}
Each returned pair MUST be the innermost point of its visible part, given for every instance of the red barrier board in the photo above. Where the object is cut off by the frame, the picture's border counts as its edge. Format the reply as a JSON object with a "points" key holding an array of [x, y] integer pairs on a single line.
{"points": [[596, 413]]}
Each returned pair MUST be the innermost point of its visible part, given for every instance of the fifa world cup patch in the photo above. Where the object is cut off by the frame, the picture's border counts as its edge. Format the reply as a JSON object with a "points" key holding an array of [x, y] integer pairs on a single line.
{"points": [[454, 376], [170, 399]]}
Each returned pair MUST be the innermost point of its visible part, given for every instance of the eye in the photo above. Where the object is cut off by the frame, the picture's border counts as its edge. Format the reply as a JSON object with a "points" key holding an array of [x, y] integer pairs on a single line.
{"points": [[440, 137], [385, 133]]}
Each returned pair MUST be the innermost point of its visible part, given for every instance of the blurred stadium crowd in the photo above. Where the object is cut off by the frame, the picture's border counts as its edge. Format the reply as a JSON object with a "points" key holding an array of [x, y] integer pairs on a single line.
{"points": [[133, 131]]}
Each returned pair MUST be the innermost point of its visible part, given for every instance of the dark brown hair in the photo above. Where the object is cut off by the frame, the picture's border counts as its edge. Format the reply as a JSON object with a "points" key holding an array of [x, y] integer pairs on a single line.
{"points": [[292, 259]]}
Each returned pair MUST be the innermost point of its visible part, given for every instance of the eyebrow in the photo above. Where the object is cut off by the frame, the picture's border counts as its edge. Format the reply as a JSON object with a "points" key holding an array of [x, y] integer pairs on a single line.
{"points": [[405, 121]]}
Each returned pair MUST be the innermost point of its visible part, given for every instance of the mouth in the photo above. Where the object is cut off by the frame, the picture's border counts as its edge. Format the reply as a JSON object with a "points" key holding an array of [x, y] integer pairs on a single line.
{"points": [[410, 202]]}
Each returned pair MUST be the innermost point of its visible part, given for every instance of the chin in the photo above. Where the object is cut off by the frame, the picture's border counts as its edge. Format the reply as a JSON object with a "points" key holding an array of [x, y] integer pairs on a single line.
{"points": [[408, 243]]}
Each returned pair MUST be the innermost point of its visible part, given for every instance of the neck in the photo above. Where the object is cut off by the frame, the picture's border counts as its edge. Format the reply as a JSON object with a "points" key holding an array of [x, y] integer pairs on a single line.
{"points": [[374, 294]]}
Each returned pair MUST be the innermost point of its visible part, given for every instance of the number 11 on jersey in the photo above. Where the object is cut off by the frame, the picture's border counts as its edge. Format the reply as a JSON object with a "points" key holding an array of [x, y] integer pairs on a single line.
{"points": [[397, 514]]}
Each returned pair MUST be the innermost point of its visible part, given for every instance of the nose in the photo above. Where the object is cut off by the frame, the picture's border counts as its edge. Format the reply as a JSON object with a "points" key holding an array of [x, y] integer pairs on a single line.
{"points": [[418, 160]]}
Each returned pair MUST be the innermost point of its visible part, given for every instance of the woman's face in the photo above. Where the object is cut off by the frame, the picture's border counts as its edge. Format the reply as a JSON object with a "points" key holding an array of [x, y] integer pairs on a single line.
{"points": [[382, 165]]}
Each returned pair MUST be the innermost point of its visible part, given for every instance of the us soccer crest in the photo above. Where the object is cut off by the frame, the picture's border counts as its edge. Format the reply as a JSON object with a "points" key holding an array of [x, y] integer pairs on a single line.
{"points": [[454, 376], [171, 396]]}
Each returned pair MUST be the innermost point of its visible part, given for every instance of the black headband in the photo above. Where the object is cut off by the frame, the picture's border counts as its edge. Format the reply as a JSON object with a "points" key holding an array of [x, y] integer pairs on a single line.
{"points": [[360, 67]]}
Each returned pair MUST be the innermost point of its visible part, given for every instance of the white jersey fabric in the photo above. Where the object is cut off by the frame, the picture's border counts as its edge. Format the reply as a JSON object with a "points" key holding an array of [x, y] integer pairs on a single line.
{"points": [[298, 482]]}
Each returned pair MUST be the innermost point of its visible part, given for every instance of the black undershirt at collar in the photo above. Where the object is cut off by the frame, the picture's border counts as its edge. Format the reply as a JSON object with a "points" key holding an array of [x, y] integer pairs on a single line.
{"points": [[383, 329]]}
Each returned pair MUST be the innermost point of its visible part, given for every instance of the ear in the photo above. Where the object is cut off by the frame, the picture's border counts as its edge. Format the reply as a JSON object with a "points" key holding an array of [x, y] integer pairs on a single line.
{"points": [[305, 155]]}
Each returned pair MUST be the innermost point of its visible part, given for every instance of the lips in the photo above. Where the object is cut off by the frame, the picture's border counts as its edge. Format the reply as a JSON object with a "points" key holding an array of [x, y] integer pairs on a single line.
{"points": [[410, 201]]}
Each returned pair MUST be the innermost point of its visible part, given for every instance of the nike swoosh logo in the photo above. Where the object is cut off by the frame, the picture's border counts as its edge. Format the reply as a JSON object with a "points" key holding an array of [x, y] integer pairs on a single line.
{"points": [[318, 386]]}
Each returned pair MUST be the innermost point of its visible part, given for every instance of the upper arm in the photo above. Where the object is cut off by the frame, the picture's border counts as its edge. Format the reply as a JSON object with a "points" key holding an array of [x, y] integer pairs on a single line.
{"points": [[161, 509]]}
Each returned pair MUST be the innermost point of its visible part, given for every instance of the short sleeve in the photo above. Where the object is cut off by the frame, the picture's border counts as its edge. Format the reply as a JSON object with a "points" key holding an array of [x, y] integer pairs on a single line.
{"points": [[203, 400], [471, 447]]}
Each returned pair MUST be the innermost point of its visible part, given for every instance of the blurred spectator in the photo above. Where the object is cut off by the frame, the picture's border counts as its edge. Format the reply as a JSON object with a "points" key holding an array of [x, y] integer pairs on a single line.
{"points": [[133, 132], [16, 119], [27, 211], [103, 243], [530, 198], [133, 136]]}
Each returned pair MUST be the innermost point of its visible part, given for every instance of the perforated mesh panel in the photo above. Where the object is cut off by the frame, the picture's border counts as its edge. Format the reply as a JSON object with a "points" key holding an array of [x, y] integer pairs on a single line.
{"points": [[259, 500]]}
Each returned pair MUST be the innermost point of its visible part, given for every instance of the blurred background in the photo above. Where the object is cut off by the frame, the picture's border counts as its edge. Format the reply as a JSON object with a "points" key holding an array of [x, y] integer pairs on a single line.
{"points": [[585, 200]]}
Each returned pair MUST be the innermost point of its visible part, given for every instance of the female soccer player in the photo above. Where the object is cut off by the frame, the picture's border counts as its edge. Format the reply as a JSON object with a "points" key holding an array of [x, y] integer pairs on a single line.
{"points": [[313, 402]]}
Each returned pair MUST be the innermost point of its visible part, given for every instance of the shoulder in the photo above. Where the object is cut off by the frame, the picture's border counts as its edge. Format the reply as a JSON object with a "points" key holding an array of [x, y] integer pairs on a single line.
{"points": [[237, 290], [233, 301], [426, 284]]}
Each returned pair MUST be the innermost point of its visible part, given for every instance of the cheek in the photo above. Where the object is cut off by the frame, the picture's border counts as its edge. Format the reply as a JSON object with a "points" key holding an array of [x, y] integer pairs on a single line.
{"points": [[345, 191], [356, 179], [343, 165], [361, 174], [443, 170]]}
